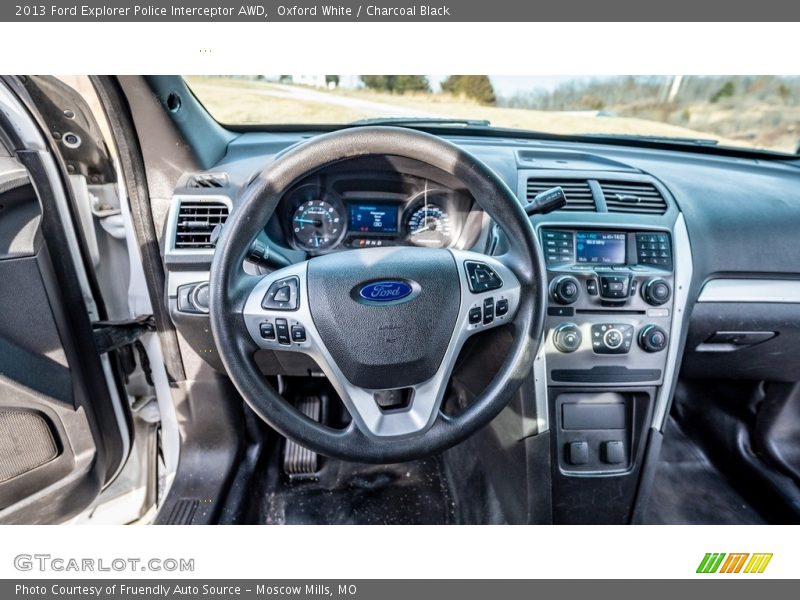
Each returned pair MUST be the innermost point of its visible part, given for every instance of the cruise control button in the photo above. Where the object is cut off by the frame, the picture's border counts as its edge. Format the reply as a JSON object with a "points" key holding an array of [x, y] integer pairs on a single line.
{"points": [[298, 333], [267, 331], [282, 327], [475, 315], [501, 308], [488, 310]]}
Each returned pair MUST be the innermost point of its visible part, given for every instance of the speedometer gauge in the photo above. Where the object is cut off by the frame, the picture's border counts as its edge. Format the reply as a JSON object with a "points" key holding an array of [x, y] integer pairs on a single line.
{"points": [[429, 226], [316, 225]]}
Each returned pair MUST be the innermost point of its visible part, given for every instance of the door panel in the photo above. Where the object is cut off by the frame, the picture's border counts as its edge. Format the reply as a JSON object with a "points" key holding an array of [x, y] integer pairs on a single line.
{"points": [[61, 435]]}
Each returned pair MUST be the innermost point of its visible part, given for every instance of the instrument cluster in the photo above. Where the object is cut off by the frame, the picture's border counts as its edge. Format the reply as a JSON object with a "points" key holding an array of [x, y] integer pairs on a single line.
{"points": [[323, 216]]}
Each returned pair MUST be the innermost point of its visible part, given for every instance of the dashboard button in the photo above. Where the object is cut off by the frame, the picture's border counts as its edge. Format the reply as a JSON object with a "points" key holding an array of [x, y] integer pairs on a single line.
{"points": [[282, 327], [612, 452], [591, 286], [501, 308], [567, 337], [577, 453], [613, 339]]}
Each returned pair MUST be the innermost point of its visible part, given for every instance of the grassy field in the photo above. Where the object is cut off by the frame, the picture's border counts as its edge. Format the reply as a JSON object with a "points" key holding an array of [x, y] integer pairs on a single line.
{"points": [[243, 101]]}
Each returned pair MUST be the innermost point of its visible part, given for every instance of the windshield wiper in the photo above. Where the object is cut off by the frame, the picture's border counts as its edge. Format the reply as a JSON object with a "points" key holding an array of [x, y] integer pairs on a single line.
{"points": [[655, 138], [421, 121]]}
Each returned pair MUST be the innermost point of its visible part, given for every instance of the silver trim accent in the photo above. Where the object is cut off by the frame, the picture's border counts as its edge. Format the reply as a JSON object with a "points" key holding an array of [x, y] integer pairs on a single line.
{"points": [[773, 291], [683, 270], [427, 395], [540, 386], [172, 222]]}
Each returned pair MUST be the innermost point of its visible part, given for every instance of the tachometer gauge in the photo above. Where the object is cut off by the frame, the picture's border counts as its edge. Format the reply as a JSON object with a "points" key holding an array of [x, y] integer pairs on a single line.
{"points": [[429, 226], [317, 225]]}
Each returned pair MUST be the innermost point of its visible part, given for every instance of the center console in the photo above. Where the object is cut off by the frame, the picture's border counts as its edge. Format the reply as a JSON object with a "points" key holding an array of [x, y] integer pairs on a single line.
{"points": [[610, 305], [608, 329]]}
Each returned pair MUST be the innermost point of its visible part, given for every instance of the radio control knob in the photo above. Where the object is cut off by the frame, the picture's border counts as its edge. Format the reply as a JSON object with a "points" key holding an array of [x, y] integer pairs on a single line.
{"points": [[656, 291], [565, 289], [567, 337], [652, 338]]}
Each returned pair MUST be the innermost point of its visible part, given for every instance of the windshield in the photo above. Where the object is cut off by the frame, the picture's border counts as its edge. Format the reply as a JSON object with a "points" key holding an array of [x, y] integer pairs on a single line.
{"points": [[757, 112]]}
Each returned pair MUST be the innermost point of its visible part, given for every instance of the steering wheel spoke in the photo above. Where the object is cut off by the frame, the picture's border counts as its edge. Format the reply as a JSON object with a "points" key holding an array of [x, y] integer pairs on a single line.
{"points": [[278, 317]]}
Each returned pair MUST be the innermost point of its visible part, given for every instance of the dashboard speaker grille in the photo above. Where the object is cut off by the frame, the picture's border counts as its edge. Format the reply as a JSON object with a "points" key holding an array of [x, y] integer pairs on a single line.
{"points": [[208, 180], [633, 197], [578, 192], [197, 221], [26, 442]]}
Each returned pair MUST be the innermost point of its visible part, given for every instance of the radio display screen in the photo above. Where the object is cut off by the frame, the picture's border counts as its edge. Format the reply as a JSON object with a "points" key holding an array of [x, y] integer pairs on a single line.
{"points": [[373, 218], [600, 247]]}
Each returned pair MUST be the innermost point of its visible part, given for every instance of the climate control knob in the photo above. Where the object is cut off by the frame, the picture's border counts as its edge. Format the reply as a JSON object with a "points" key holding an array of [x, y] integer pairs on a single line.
{"points": [[652, 338], [565, 289], [656, 291], [567, 337]]}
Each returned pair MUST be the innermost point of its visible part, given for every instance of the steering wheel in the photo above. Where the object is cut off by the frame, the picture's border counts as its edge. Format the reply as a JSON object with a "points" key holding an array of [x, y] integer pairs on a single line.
{"points": [[378, 321]]}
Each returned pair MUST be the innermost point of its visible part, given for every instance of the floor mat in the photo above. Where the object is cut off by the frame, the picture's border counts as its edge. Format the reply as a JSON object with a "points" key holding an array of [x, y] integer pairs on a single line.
{"points": [[688, 489], [414, 493]]}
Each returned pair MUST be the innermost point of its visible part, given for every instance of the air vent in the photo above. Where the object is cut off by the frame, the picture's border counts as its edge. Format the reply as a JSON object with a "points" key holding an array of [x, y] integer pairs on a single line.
{"points": [[207, 180], [196, 221], [578, 192], [633, 197]]}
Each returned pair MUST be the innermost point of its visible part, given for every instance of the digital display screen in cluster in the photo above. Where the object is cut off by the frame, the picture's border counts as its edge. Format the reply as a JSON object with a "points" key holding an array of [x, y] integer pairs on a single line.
{"points": [[373, 218], [600, 247]]}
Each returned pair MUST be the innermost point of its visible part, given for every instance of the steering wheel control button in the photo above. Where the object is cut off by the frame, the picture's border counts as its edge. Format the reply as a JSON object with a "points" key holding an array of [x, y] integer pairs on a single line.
{"points": [[283, 294], [612, 452], [501, 308], [565, 289], [611, 338], [298, 333], [282, 327], [614, 287], [475, 315], [481, 277], [653, 339], [577, 453], [567, 337], [267, 331], [488, 310], [656, 292]]}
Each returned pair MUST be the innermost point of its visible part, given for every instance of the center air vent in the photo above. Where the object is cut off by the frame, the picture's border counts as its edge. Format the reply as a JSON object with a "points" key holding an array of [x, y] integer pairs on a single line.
{"points": [[196, 221], [207, 180], [638, 197], [578, 193]]}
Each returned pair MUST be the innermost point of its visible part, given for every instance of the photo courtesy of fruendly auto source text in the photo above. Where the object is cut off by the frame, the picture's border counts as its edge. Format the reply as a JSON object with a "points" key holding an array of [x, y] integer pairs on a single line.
{"points": [[396, 299]]}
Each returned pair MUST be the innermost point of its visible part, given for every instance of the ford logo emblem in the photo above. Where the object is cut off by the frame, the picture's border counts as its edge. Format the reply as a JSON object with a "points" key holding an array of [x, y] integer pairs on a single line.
{"points": [[383, 292]]}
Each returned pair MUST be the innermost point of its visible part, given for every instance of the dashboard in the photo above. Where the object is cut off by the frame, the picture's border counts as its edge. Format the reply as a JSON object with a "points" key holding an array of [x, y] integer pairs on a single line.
{"points": [[347, 207]]}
